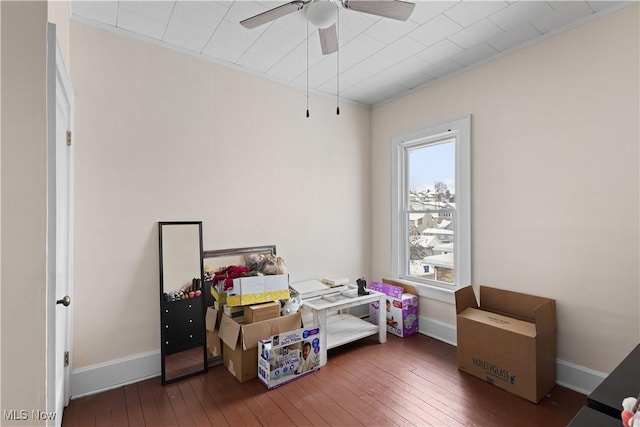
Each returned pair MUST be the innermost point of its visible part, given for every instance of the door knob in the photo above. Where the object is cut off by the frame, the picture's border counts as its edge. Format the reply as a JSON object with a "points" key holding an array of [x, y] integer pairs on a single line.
{"points": [[64, 301]]}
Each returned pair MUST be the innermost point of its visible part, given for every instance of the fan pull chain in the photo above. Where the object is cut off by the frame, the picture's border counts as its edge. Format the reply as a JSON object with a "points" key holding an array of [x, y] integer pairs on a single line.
{"points": [[307, 66], [338, 64]]}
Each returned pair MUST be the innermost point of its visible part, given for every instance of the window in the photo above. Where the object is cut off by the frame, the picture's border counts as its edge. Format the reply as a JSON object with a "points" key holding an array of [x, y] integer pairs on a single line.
{"points": [[431, 179]]}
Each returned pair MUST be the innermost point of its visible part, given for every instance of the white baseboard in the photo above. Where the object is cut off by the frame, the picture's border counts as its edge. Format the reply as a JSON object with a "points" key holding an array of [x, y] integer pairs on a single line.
{"points": [[574, 377], [438, 330], [577, 378], [104, 376], [115, 373]]}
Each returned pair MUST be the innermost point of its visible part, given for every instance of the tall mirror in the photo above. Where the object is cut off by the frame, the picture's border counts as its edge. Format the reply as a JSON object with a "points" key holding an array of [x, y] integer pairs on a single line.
{"points": [[182, 308]]}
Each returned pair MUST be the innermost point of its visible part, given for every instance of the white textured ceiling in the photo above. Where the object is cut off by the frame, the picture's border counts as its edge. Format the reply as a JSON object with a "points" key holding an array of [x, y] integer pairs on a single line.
{"points": [[379, 58]]}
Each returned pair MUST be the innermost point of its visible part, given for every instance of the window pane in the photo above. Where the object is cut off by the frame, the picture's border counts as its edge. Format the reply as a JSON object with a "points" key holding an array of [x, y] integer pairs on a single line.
{"points": [[431, 211], [430, 251], [432, 171]]}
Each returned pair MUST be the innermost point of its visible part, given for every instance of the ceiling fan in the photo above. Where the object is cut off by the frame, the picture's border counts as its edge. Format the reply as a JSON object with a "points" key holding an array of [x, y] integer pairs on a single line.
{"points": [[323, 13]]}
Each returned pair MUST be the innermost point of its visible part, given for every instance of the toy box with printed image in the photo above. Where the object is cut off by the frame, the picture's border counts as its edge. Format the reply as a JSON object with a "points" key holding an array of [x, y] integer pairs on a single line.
{"points": [[401, 309], [289, 356]]}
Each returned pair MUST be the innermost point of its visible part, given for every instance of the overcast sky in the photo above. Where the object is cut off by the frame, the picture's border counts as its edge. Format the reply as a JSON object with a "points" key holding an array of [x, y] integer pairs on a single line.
{"points": [[430, 164]]}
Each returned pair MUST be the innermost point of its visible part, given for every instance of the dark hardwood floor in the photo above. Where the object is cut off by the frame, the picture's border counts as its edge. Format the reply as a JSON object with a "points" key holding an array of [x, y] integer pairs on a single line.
{"points": [[410, 381]]}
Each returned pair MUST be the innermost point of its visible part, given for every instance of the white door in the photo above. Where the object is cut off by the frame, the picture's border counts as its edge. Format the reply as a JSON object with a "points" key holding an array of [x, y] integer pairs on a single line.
{"points": [[59, 229]]}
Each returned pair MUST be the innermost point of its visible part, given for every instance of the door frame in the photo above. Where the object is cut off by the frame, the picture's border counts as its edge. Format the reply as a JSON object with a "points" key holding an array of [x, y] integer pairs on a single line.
{"points": [[56, 75]]}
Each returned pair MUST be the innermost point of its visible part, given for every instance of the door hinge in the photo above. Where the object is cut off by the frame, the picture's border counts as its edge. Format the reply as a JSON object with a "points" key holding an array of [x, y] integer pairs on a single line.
{"points": [[68, 137], [66, 358]]}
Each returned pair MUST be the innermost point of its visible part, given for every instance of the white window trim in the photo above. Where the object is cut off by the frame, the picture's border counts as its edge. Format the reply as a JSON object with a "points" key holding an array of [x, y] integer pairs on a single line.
{"points": [[461, 129]]}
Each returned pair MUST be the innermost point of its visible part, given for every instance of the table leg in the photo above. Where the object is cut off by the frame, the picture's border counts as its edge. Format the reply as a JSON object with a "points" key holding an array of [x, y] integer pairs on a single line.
{"points": [[320, 316], [382, 320]]}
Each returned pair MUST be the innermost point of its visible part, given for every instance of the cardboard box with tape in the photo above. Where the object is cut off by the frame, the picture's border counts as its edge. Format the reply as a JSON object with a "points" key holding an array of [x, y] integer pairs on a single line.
{"points": [[508, 339]]}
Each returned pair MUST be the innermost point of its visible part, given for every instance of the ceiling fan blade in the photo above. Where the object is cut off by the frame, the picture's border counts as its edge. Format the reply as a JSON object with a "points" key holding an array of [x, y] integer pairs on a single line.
{"points": [[272, 14], [394, 9], [328, 39]]}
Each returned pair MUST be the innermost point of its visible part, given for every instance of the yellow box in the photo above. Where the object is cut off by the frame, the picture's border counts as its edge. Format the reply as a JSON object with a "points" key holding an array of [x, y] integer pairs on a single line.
{"points": [[235, 300], [221, 298], [257, 298]]}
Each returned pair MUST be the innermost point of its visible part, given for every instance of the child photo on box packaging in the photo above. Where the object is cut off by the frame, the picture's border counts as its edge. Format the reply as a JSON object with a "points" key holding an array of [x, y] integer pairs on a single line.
{"points": [[309, 359], [390, 321]]}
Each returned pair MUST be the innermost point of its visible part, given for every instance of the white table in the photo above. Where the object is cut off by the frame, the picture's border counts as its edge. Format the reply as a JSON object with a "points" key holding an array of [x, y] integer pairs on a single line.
{"points": [[337, 326]]}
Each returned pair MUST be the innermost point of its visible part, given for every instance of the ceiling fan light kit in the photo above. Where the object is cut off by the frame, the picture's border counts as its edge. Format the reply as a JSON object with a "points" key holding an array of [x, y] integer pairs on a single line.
{"points": [[323, 15]]}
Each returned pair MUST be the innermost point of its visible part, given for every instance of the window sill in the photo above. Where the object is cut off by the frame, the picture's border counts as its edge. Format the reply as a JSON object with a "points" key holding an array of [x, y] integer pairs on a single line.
{"points": [[431, 292]]}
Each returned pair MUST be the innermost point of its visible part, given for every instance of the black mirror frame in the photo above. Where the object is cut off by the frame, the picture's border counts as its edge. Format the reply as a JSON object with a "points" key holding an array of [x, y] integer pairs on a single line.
{"points": [[200, 301]]}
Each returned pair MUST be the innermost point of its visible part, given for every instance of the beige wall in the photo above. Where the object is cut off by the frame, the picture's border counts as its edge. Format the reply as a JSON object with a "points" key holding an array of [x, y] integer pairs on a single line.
{"points": [[58, 13], [165, 136], [23, 213], [555, 182]]}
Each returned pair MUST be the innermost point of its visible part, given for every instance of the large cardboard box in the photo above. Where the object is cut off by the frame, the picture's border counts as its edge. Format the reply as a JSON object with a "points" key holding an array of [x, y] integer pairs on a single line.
{"points": [[240, 342], [401, 309], [212, 320], [288, 356], [508, 340]]}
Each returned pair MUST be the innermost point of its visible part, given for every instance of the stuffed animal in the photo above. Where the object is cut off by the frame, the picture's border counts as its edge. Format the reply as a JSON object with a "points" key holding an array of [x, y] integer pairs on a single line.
{"points": [[254, 261], [273, 265], [630, 415], [266, 264]]}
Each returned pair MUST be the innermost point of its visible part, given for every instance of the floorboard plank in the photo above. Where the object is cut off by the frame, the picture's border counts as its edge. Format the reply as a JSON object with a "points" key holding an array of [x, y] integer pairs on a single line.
{"points": [[119, 416], [312, 417], [71, 413], [215, 415], [196, 410], [266, 400], [224, 390], [152, 412], [180, 409], [85, 415], [134, 407]]}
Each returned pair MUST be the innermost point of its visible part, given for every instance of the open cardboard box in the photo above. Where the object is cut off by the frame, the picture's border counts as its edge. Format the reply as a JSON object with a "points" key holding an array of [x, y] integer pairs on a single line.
{"points": [[240, 342], [508, 340], [212, 320]]}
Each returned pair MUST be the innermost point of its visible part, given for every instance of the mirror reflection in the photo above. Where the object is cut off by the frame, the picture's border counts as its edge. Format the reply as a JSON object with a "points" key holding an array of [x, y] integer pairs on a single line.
{"points": [[181, 262], [183, 348]]}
